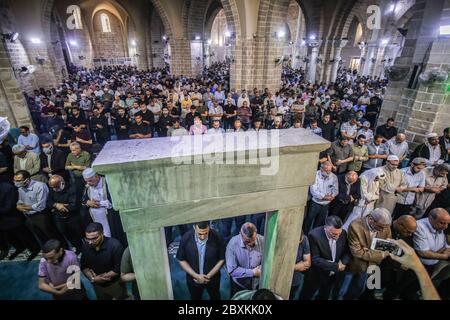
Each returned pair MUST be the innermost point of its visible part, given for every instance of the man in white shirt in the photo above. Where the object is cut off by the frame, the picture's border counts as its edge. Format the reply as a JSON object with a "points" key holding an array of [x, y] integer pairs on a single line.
{"points": [[323, 191], [398, 146], [431, 244], [29, 140]]}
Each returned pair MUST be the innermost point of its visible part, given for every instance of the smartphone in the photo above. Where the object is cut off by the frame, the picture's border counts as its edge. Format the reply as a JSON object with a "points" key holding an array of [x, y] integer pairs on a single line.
{"points": [[385, 245]]}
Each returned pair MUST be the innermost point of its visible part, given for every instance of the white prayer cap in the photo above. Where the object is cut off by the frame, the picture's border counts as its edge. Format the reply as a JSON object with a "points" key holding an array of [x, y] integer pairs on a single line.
{"points": [[393, 157], [431, 135], [366, 124], [88, 173], [382, 215], [18, 148]]}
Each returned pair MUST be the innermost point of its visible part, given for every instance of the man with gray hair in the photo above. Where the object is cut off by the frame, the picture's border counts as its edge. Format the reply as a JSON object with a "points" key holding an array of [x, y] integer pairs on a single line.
{"points": [[431, 245], [360, 234], [398, 146], [244, 257]]}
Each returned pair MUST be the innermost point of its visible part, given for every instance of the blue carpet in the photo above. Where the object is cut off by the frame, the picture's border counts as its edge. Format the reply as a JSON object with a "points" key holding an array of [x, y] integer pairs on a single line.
{"points": [[19, 281]]}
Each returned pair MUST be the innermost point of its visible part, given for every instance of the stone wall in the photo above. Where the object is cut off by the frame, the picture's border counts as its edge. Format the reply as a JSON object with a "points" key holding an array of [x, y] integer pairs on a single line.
{"points": [[109, 44]]}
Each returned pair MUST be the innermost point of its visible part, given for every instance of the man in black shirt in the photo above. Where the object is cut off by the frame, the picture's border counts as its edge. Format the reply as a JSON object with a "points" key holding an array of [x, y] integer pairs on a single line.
{"points": [[229, 112], [387, 130], [76, 118], [202, 254], [100, 262], [164, 123], [64, 205], [328, 128], [122, 123], [99, 127], [140, 130], [190, 117], [53, 161], [147, 115]]}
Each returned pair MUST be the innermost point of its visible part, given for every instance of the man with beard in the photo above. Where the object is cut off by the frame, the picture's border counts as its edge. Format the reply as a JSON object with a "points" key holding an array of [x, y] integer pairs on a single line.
{"points": [[430, 150]]}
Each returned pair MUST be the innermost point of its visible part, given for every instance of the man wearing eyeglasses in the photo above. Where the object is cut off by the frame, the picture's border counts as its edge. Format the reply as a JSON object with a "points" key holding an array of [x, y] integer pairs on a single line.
{"points": [[100, 262], [360, 234]]}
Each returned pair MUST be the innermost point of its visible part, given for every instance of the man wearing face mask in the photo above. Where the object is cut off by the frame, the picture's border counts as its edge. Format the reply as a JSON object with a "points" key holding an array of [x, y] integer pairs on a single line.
{"points": [[32, 203], [55, 268], [393, 184], [244, 257], [360, 234], [201, 255], [53, 160], [330, 257], [62, 203]]}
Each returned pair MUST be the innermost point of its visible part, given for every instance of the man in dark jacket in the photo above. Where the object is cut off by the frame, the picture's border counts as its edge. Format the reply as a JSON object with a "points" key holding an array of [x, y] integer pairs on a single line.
{"points": [[53, 160], [330, 256], [349, 194], [431, 150], [65, 207], [201, 255], [444, 141]]}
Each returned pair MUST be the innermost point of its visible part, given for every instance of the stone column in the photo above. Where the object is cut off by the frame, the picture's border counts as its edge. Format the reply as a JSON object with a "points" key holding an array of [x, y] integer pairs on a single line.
{"points": [[371, 57], [180, 57], [12, 102], [312, 63], [339, 44]]}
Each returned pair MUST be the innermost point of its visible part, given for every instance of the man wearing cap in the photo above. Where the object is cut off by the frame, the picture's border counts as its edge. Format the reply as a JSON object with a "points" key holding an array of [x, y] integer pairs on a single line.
{"points": [[392, 185], [430, 150], [415, 183], [367, 132], [97, 202], [398, 147]]}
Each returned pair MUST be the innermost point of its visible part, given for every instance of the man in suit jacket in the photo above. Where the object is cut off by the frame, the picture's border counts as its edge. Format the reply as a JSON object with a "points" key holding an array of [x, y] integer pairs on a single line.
{"points": [[360, 234], [330, 256], [57, 158], [201, 255], [431, 150], [349, 194], [28, 161]]}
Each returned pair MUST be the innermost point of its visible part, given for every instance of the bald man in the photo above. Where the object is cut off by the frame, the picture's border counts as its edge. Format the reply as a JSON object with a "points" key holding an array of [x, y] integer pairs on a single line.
{"points": [[63, 203], [398, 282]]}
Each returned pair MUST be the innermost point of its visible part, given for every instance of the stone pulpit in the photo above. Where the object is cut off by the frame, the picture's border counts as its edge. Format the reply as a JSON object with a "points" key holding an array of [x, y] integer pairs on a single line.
{"points": [[161, 182]]}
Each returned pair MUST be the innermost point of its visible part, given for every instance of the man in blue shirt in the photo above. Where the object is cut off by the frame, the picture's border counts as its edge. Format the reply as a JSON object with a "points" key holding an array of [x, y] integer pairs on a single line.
{"points": [[29, 140], [202, 254]]}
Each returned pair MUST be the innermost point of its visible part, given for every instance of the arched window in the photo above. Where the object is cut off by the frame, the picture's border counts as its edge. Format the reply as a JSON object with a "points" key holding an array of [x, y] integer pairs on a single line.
{"points": [[358, 34], [106, 25]]}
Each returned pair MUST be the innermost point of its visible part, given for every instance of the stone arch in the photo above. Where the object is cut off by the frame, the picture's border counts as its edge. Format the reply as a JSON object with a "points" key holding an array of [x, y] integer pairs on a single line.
{"points": [[163, 16], [214, 7], [157, 45], [109, 44]]}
